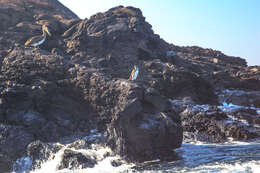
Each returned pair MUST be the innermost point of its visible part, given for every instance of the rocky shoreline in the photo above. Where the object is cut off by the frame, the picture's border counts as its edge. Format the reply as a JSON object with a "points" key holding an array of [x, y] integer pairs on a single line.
{"points": [[76, 85]]}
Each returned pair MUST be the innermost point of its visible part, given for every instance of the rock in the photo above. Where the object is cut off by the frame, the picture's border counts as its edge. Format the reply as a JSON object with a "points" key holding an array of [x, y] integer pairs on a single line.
{"points": [[198, 51], [204, 124], [176, 83], [116, 163], [241, 97], [39, 152], [149, 140], [210, 124], [238, 132], [31, 119], [73, 159], [135, 131], [128, 103], [22, 19], [5, 163], [13, 142], [105, 34], [155, 99], [35, 98]]}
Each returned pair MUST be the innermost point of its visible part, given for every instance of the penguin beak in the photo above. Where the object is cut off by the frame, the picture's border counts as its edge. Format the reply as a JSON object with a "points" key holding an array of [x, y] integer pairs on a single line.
{"points": [[47, 30]]}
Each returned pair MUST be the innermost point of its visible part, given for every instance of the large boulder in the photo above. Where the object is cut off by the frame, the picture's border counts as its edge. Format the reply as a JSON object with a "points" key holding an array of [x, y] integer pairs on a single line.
{"points": [[144, 129], [73, 159], [39, 152]]}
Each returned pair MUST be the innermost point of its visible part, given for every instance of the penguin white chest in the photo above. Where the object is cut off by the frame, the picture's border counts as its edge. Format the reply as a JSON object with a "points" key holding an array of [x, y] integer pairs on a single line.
{"points": [[136, 73], [39, 42]]}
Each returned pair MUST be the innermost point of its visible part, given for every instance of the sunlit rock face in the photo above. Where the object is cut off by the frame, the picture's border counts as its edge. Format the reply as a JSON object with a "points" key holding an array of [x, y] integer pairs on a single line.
{"points": [[77, 81]]}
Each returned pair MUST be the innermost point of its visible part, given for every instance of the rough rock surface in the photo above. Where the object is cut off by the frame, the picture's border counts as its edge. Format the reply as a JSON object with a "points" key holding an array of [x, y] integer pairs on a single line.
{"points": [[77, 80], [72, 159], [13, 141], [211, 123]]}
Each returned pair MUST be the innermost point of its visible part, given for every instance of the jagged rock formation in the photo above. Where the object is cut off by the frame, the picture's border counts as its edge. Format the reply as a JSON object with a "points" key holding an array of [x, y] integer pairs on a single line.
{"points": [[78, 80]]}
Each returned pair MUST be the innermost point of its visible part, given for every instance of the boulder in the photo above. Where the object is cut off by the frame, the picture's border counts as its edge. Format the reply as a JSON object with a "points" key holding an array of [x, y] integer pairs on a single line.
{"points": [[141, 131], [39, 152], [73, 159]]}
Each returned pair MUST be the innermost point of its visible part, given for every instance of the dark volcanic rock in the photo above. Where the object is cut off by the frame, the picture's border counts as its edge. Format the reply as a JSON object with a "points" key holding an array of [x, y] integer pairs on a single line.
{"points": [[38, 152], [13, 141], [241, 97], [22, 19], [36, 94], [154, 136], [216, 124], [139, 131], [118, 39], [176, 83], [203, 123], [129, 103], [72, 159]]}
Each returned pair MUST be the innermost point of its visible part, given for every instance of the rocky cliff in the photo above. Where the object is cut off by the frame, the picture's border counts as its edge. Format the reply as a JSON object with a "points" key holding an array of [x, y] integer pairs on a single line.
{"points": [[77, 80]]}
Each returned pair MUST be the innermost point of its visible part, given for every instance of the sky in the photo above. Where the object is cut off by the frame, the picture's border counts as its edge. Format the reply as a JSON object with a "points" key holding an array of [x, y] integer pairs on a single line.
{"points": [[231, 26]]}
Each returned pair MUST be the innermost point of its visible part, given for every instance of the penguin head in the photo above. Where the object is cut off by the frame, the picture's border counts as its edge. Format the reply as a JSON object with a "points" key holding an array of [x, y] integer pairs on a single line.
{"points": [[46, 29]]}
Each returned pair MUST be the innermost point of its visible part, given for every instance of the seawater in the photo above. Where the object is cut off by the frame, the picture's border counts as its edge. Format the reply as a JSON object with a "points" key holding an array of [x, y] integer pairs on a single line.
{"points": [[234, 157], [196, 157]]}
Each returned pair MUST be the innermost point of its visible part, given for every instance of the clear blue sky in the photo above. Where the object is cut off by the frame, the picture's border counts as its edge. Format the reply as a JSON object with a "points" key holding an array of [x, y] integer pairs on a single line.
{"points": [[231, 26]]}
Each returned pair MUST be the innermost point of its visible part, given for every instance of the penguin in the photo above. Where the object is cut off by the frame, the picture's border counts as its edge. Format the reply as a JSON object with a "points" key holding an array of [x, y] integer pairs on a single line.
{"points": [[39, 39], [134, 73]]}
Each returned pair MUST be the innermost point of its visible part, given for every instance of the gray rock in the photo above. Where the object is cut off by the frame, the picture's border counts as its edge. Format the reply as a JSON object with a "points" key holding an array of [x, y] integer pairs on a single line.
{"points": [[39, 152], [73, 159], [13, 142]]}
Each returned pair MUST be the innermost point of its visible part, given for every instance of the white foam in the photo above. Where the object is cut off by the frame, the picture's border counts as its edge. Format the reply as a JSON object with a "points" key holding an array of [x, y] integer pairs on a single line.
{"points": [[104, 163], [50, 165], [98, 152]]}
